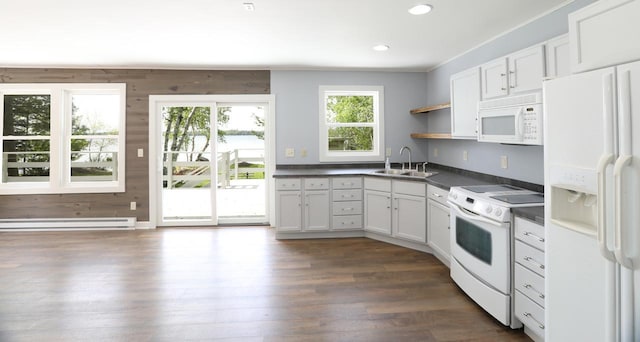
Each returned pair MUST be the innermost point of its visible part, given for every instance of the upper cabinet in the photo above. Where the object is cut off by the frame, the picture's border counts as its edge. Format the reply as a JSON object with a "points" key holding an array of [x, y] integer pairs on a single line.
{"points": [[465, 94], [592, 47], [558, 57], [519, 72]]}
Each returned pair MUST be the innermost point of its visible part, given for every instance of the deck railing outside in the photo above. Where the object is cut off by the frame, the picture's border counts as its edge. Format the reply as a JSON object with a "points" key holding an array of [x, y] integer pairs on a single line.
{"points": [[197, 173]]}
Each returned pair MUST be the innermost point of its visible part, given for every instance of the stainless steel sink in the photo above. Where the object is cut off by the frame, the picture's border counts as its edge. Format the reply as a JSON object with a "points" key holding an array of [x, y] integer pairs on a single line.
{"points": [[393, 172], [405, 173], [420, 174]]}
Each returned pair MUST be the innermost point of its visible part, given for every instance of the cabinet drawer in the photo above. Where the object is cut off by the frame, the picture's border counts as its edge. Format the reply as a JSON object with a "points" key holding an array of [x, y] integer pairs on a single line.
{"points": [[316, 183], [529, 232], [346, 183], [347, 208], [409, 188], [347, 222], [530, 257], [288, 184], [530, 313], [437, 194], [530, 284], [347, 195], [376, 183]]}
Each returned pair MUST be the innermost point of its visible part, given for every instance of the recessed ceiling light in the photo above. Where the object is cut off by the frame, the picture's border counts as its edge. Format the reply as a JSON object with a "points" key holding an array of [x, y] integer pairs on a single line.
{"points": [[420, 9], [248, 6], [381, 47]]}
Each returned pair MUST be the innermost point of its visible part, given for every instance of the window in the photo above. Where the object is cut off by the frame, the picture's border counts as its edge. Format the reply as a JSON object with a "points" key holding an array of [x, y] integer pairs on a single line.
{"points": [[62, 138], [351, 123]]}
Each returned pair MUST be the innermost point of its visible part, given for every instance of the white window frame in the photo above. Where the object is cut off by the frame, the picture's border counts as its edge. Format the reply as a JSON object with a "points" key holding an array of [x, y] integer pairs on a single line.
{"points": [[60, 138], [377, 154]]}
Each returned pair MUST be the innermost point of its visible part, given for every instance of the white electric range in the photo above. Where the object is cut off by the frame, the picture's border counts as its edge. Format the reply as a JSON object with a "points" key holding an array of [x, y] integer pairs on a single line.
{"points": [[482, 241]]}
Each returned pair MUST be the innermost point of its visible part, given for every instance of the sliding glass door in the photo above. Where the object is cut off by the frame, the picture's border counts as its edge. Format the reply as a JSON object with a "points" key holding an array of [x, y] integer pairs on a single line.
{"points": [[212, 162]]}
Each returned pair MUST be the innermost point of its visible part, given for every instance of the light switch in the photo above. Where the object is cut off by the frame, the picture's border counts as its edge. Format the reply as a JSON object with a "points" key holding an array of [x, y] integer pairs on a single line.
{"points": [[504, 162], [133, 206], [435, 152], [303, 152], [388, 154], [140, 153], [289, 152], [465, 155]]}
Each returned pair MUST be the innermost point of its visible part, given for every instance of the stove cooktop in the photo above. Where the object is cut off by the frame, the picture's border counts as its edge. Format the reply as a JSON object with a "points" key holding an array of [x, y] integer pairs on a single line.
{"points": [[479, 189], [520, 199]]}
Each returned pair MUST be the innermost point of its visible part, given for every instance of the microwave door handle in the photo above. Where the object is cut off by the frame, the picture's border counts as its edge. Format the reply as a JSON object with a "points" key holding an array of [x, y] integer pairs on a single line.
{"points": [[519, 123], [471, 216]]}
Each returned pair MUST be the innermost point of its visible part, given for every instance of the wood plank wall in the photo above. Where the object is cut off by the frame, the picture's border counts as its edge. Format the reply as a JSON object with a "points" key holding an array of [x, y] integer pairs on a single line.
{"points": [[140, 84]]}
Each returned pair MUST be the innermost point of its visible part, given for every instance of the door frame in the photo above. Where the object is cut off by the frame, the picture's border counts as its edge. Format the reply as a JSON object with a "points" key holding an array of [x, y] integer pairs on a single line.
{"points": [[155, 131]]}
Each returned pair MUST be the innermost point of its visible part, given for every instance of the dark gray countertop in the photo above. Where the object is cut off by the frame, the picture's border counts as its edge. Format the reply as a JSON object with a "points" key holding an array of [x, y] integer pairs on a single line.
{"points": [[443, 179], [535, 214]]}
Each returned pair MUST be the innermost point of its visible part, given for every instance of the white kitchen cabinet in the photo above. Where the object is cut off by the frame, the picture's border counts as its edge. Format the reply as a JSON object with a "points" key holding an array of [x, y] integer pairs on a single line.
{"points": [[288, 204], [409, 216], [377, 205], [603, 34], [529, 277], [303, 204], [438, 225], [346, 207], [465, 94], [316, 210], [395, 208], [557, 52], [519, 72], [494, 78]]}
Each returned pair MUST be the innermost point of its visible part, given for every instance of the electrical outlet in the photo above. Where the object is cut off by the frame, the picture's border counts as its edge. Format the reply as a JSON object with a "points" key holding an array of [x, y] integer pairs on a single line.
{"points": [[303, 152], [133, 206], [140, 153], [435, 152], [504, 162], [465, 155], [388, 154], [289, 152]]}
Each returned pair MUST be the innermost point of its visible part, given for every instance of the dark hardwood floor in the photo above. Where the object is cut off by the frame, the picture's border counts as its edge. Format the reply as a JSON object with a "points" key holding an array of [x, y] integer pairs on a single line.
{"points": [[228, 284]]}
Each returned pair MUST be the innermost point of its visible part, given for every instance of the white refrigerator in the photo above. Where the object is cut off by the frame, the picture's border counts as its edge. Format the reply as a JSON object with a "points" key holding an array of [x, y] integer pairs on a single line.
{"points": [[592, 205]]}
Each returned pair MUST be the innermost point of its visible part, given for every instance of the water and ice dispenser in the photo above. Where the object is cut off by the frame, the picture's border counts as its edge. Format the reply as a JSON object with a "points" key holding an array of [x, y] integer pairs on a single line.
{"points": [[574, 198]]}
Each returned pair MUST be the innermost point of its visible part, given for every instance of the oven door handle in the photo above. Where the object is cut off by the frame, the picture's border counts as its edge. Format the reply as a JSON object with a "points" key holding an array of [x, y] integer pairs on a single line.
{"points": [[473, 216]]}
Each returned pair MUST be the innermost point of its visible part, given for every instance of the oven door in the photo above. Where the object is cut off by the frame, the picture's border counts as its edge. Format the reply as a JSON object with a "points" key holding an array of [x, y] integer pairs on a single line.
{"points": [[481, 246]]}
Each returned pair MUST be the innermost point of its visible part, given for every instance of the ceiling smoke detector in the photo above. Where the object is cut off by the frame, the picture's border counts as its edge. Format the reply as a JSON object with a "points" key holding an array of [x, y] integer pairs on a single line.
{"points": [[420, 9]]}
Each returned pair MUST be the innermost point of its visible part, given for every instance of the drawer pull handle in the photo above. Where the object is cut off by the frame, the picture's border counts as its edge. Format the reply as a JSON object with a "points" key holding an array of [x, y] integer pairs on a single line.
{"points": [[530, 287], [437, 195], [530, 259], [530, 316], [534, 236]]}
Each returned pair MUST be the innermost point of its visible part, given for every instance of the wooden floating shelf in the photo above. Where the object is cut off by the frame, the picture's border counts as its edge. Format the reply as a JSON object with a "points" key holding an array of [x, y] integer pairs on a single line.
{"points": [[430, 108], [431, 135]]}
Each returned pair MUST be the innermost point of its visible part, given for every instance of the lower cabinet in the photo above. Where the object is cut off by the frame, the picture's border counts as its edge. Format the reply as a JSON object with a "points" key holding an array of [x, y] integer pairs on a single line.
{"points": [[438, 222], [396, 208], [529, 277], [318, 204], [302, 204]]}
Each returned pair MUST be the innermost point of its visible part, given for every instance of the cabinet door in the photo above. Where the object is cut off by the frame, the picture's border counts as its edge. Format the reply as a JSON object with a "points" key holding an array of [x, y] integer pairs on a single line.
{"points": [[316, 210], [558, 57], [289, 212], [494, 79], [604, 34], [377, 212], [438, 228], [410, 217], [526, 70], [465, 94]]}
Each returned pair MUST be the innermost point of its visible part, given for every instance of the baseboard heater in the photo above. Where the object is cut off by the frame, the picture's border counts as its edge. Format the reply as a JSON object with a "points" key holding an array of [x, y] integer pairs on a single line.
{"points": [[93, 223]]}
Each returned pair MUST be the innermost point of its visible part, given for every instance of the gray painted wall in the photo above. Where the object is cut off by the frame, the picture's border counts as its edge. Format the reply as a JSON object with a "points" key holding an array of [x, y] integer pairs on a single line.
{"points": [[525, 162], [297, 110]]}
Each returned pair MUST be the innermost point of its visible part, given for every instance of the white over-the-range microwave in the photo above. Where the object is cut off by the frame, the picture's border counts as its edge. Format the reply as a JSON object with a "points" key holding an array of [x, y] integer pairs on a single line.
{"points": [[511, 120]]}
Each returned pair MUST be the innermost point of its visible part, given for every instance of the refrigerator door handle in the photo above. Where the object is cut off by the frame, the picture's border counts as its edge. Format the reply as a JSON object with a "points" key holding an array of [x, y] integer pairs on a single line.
{"points": [[606, 252], [619, 251]]}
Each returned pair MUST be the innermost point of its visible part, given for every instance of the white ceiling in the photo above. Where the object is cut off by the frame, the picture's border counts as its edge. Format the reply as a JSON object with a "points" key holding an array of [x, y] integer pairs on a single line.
{"points": [[279, 34]]}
